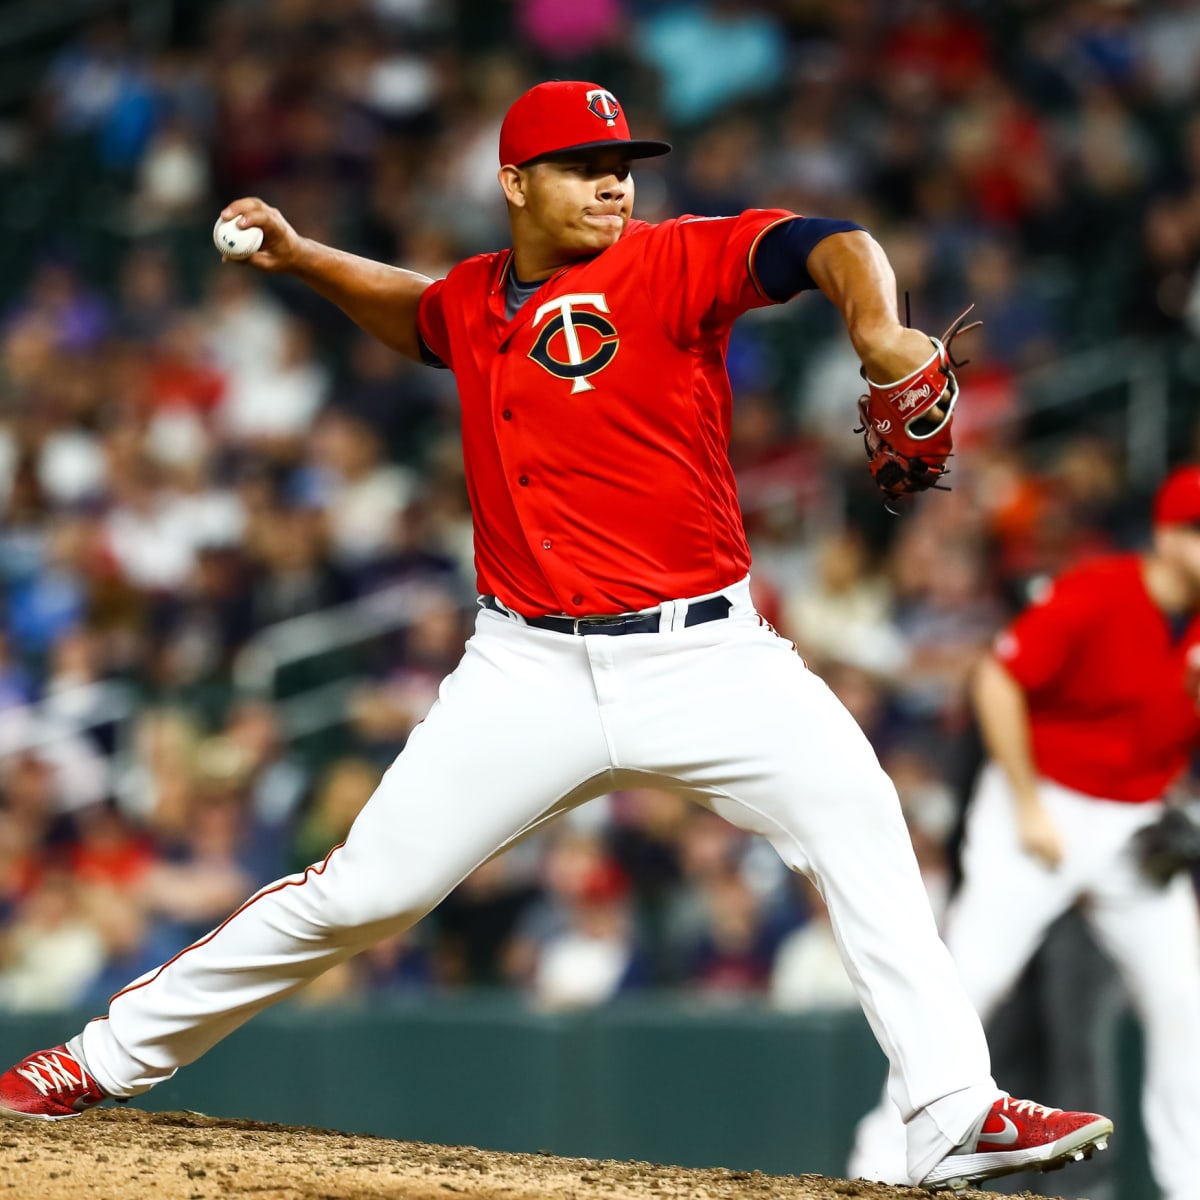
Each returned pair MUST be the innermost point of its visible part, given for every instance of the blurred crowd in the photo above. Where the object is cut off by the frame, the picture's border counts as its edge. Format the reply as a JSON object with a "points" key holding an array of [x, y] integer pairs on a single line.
{"points": [[192, 453]]}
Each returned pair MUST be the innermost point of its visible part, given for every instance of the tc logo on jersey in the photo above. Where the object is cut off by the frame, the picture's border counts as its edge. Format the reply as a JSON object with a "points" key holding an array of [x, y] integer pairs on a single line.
{"points": [[603, 104], [585, 356]]}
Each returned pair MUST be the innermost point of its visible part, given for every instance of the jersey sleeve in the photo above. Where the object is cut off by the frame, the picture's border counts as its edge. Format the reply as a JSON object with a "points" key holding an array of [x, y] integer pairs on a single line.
{"points": [[700, 270], [1042, 639], [431, 326]]}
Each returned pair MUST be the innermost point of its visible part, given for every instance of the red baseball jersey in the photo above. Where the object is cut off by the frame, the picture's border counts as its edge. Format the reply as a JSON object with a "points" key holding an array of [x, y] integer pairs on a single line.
{"points": [[596, 422], [1111, 684]]}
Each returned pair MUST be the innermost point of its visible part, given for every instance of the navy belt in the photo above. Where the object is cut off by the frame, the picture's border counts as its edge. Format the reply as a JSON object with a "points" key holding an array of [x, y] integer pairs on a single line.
{"points": [[715, 608]]}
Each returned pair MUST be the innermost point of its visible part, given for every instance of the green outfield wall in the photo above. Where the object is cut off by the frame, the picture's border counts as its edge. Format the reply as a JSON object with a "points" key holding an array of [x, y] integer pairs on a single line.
{"points": [[658, 1079]]}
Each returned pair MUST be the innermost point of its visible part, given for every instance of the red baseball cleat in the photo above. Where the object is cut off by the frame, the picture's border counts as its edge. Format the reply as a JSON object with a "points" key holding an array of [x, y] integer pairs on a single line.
{"points": [[1019, 1135], [50, 1085]]}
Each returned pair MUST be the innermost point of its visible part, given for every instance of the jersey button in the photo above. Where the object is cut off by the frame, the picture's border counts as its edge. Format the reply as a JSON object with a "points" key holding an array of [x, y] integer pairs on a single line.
{"points": [[576, 599], [507, 414], [546, 544], [523, 480]]}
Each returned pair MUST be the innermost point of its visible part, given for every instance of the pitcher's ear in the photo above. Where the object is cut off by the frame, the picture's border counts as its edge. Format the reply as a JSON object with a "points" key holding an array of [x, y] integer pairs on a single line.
{"points": [[512, 180]]}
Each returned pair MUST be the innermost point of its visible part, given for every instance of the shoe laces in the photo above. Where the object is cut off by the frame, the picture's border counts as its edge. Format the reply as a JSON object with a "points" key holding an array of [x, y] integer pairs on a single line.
{"points": [[1028, 1108], [48, 1074]]}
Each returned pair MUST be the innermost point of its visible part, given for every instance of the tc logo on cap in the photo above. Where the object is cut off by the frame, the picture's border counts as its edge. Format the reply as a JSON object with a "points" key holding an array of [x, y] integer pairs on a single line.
{"points": [[603, 104]]}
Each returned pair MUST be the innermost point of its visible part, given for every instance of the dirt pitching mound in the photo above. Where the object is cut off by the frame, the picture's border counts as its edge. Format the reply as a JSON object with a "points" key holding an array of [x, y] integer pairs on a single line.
{"points": [[124, 1154]]}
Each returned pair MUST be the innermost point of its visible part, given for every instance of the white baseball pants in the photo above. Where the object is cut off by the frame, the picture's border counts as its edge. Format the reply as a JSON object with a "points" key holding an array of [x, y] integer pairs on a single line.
{"points": [[1009, 900], [530, 724]]}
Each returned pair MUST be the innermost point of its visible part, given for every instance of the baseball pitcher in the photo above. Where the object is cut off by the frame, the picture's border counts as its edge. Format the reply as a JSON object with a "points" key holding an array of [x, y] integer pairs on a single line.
{"points": [[616, 644]]}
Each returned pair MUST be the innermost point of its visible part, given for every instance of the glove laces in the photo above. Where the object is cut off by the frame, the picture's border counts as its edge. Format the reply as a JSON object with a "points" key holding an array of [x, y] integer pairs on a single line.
{"points": [[957, 327]]}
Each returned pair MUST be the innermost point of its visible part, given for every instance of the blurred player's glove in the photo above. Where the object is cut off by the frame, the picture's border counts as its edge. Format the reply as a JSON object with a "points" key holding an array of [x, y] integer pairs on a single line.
{"points": [[906, 424], [1170, 845]]}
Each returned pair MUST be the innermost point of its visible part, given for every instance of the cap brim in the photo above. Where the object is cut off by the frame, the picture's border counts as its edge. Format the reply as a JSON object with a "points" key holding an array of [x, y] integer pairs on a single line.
{"points": [[631, 149]]}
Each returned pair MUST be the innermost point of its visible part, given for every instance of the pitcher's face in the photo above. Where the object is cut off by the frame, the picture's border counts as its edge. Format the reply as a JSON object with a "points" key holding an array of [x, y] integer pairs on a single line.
{"points": [[578, 205]]}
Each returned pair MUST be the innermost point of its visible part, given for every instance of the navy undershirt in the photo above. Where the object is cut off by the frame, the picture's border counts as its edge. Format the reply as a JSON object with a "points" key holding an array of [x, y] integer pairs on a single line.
{"points": [[516, 292], [781, 257], [1178, 623]]}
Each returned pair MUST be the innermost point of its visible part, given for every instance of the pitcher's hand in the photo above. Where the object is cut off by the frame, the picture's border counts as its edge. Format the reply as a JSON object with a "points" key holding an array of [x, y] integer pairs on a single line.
{"points": [[282, 245]]}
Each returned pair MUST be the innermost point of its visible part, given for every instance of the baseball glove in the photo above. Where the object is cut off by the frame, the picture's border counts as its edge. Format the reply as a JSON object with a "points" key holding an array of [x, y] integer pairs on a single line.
{"points": [[906, 423], [1171, 844]]}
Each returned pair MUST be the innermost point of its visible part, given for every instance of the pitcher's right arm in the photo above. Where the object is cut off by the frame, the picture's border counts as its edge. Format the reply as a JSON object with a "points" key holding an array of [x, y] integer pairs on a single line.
{"points": [[379, 298]]}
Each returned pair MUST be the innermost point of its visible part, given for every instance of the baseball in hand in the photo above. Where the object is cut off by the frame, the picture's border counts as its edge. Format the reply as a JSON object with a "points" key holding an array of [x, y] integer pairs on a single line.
{"points": [[235, 242]]}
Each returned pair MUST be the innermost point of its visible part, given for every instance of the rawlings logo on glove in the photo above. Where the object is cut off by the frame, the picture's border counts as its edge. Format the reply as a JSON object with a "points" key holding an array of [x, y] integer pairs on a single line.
{"points": [[906, 423], [912, 397]]}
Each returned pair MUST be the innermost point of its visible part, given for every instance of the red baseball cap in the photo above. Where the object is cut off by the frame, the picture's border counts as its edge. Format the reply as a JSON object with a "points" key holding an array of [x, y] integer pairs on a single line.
{"points": [[1177, 501], [566, 115]]}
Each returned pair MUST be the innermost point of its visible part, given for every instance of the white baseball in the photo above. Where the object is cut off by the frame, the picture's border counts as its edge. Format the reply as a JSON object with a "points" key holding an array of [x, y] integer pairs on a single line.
{"points": [[235, 242]]}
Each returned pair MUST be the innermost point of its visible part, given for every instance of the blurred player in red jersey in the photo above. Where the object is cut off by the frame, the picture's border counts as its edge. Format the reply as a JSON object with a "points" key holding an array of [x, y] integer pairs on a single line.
{"points": [[616, 645], [1089, 706]]}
